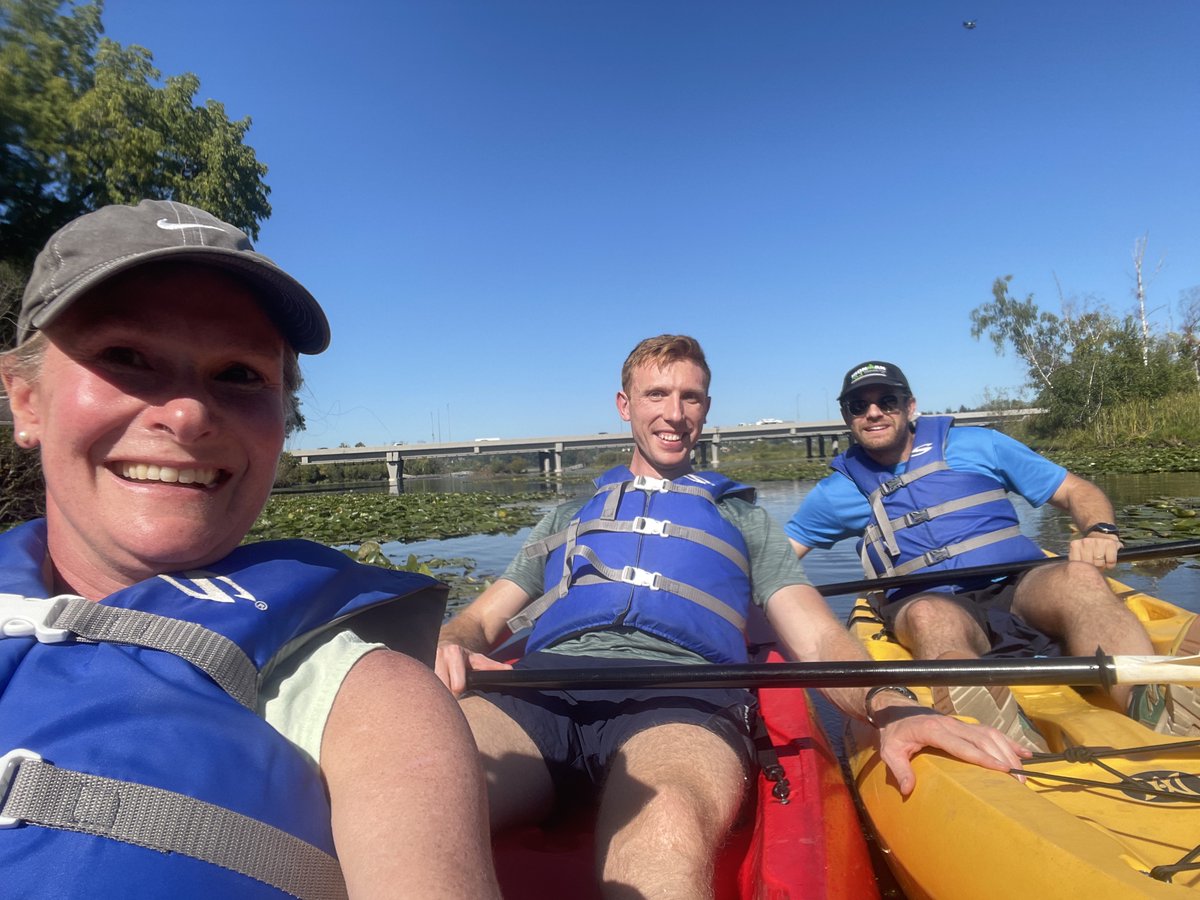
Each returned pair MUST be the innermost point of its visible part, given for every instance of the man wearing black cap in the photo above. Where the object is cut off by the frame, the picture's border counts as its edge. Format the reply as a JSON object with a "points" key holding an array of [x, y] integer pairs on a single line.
{"points": [[922, 495]]}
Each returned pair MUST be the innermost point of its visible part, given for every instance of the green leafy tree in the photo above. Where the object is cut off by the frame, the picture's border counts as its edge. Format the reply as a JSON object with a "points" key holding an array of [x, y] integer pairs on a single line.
{"points": [[85, 122], [1188, 337], [287, 472], [424, 465], [1079, 362]]}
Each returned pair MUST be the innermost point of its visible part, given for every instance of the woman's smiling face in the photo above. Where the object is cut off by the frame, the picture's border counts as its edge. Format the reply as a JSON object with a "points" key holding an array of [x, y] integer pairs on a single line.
{"points": [[159, 406]]}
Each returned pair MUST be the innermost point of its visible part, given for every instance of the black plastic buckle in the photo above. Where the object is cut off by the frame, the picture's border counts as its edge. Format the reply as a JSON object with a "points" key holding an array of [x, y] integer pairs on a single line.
{"points": [[916, 517]]}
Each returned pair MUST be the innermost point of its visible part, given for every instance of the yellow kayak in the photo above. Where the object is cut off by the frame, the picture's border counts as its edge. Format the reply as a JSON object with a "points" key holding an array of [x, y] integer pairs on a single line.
{"points": [[1074, 829]]}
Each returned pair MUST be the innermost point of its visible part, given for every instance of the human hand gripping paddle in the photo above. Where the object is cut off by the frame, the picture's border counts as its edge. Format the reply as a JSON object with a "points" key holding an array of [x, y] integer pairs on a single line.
{"points": [[1078, 671]]}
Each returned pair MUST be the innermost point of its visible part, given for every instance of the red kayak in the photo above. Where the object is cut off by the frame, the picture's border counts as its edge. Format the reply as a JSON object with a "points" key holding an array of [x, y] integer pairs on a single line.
{"points": [[811, 846]]}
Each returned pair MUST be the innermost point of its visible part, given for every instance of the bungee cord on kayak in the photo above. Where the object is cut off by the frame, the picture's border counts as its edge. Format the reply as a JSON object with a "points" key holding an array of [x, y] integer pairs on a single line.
{"points": [[1125, 782]]}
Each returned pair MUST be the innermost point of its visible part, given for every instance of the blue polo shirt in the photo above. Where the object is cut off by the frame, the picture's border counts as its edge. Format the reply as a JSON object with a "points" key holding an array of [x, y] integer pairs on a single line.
{"points": [[835, 509]]}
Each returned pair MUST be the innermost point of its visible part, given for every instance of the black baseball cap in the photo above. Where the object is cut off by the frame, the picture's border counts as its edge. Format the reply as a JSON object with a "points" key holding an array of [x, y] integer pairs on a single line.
{"points": [[114, 239], [873, 372]]}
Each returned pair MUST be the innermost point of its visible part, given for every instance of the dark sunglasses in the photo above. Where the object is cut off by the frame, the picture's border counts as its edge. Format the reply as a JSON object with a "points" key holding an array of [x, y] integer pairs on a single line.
{"points": [[888, 403]]}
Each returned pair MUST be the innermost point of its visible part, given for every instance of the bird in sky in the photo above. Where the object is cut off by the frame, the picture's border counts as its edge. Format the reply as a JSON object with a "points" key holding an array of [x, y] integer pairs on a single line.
{"points": [[969, 24]]}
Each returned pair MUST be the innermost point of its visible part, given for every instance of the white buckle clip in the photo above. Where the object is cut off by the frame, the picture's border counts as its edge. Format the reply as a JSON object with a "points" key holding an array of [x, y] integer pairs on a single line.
{"points": [[639, 577], [645, 525], [9, 763], [27, 616], [651, 485]]}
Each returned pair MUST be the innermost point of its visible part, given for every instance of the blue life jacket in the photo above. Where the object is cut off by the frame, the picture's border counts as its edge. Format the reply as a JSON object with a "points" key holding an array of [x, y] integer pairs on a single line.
{"points": [[650, 554], [135, 725], [931, 516]]}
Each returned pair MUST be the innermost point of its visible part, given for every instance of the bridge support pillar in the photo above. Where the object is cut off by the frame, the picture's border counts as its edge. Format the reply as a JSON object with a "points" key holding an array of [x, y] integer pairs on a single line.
{"points": [[395, 471], [558, 455]]}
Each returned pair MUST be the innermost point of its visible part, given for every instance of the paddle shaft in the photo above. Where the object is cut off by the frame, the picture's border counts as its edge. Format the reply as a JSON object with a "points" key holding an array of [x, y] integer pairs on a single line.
{"points": [[1079, 671], [951, 576], [1072, 670]]}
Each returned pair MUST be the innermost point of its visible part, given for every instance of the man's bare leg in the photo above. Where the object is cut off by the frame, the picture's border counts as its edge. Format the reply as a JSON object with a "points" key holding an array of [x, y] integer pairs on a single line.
{"points": [[1072, 602], [518, 783], [669, 802], [932, 627]]}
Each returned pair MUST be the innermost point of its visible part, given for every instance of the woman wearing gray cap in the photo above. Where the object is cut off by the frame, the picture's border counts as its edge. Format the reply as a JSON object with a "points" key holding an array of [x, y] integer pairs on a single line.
{"points": [[180, 715]]}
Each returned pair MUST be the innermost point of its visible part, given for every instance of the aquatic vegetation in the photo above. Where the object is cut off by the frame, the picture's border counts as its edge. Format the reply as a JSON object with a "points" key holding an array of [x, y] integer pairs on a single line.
{"points": [[1130, 460], [751, 471], [361, 522], [340, 519], [1161, 518], [456, 573]]}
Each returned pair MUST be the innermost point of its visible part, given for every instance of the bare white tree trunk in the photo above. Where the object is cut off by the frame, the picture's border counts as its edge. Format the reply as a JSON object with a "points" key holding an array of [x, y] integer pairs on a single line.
{"points": [[1140, 285], [1139, 252]]}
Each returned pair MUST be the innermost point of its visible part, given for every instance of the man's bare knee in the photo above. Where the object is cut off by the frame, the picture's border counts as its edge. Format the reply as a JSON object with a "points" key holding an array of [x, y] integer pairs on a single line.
{"points": [[1055, 598], [932, 626], [671, 797], [1073, 602]]}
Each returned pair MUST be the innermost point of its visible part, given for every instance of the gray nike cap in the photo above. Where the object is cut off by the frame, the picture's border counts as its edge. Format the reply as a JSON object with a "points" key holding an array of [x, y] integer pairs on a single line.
{"points": [[114, 239]]}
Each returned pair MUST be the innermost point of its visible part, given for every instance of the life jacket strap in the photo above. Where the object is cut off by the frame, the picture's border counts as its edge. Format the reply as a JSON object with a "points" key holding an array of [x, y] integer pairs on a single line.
{"points": [[650, 485], [879, 512], [55, 620], [614, 491], [917, 516], [627, 575], [647, 526], [941, 554], [874, 533], [36, 792]]}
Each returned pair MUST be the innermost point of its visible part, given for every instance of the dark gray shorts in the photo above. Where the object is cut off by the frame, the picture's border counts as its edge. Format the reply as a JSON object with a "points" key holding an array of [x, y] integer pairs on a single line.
{"points": [[579, 732]]}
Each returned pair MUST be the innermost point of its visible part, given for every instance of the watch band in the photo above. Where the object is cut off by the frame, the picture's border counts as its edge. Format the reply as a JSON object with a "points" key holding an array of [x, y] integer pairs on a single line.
{"points": [[1103, 528], [903, 691]]}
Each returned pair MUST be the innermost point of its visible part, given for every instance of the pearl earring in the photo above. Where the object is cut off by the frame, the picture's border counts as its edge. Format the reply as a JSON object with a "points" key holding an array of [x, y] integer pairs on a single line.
{"points": [[22, 437]]}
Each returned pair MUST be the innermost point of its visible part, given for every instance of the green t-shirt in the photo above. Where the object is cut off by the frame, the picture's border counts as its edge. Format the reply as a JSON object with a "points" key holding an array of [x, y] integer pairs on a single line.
{"points": [[773, 565]]}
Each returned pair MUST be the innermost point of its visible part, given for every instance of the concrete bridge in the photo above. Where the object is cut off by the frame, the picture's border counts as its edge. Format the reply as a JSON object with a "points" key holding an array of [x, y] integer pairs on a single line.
{"points": [[822, 440]]}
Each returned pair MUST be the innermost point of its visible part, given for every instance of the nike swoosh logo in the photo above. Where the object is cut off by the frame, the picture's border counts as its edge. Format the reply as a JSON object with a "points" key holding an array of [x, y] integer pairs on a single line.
{"points": [[167, 225]]}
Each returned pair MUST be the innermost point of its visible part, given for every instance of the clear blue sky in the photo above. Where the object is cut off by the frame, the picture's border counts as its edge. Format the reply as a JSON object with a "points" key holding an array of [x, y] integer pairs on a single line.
{"points": [[496, 199]]}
